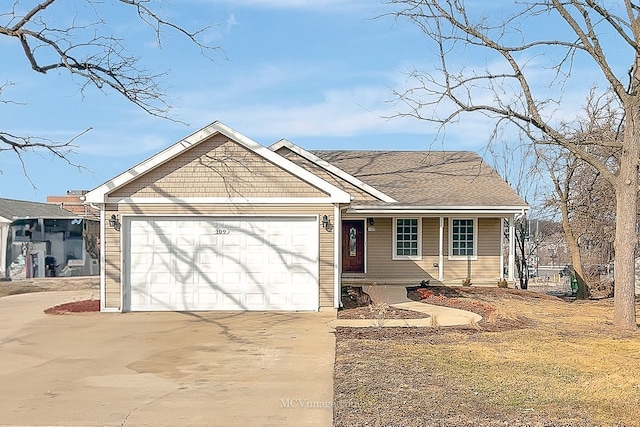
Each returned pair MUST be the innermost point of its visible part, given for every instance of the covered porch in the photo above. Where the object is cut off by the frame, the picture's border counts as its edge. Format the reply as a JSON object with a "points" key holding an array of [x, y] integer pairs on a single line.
{"points": [[420, 248]]}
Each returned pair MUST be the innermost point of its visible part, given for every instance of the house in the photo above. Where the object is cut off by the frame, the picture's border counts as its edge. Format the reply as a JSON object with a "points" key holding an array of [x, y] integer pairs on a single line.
{"points": [[73, 202], [219, 222], [42, 239]]}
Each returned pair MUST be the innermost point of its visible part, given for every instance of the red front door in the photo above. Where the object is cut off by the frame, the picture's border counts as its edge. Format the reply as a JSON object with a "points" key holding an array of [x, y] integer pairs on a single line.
{"points": [[353, 246]]}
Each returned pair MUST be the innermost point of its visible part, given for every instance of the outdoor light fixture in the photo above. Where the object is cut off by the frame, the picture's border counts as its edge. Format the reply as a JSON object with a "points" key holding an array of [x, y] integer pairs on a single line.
{"points": [[372, 222], [325, 222], [114, 222]]}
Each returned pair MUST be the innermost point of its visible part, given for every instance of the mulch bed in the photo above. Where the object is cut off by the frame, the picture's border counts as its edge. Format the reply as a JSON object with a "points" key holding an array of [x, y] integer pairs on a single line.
{"points": [[84, 306], [377, 312], [463, 298]]}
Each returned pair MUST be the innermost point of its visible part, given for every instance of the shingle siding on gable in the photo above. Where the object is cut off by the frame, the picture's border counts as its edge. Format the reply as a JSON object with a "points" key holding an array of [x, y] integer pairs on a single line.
{"points": [[218, 167]]}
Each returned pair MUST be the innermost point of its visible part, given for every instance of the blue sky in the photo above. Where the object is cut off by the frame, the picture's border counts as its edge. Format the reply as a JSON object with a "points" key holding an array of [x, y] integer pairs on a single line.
{"points": [[319, 73]]}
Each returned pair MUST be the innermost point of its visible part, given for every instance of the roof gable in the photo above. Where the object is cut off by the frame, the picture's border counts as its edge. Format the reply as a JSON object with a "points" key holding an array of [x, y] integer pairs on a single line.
{"points": [[100, 194]]}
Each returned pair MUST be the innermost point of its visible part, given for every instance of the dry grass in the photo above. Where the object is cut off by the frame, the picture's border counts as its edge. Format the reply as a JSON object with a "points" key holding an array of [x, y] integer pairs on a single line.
{"points": [[570, 367]]}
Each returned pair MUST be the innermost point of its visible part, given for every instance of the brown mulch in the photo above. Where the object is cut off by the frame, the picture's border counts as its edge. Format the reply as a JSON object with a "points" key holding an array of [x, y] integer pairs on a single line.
{"points": [[463, 298], [84, 306], [374, 312]]}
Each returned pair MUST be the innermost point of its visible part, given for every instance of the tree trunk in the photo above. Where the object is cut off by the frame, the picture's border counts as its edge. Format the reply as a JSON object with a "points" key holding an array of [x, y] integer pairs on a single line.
{"points": [[574, 249], [626, 188]]}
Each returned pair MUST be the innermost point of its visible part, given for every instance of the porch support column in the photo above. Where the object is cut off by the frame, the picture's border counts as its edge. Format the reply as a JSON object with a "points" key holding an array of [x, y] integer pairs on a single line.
{"points": [[337, 256], [512, 247], [502, 220], [441, 250]]}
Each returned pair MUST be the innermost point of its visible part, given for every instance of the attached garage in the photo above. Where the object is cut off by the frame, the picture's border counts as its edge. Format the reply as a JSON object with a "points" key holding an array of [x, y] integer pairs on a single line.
{"points": [[218, 222], [244, 263]]}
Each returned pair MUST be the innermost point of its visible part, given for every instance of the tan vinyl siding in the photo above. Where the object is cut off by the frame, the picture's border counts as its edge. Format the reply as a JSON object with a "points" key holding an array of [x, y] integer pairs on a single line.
{"points": [[218, 167], [382, 267], [112, 261], [326, 260], [326, 240], [486, 269], [380, 262], [355, 192]]}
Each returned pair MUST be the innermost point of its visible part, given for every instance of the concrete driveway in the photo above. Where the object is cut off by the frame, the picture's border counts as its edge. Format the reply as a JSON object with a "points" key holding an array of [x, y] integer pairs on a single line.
{"points": [[135, 369]]}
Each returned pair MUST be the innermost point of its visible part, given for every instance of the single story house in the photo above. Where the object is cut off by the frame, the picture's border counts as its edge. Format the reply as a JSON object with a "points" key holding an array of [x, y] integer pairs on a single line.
{"points": [[219, 222]]}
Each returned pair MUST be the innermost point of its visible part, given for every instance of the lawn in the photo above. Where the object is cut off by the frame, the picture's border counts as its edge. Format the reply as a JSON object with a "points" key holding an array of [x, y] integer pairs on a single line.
{"points": [[535, 361]]}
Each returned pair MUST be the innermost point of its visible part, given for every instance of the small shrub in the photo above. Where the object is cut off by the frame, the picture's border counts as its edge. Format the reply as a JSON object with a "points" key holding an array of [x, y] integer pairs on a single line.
{"points": [[466, 282], [502, 283]]}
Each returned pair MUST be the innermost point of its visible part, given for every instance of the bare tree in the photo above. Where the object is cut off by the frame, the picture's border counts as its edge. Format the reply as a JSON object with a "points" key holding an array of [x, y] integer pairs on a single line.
{"points": [[583, 197], [73, 37], [511, 90]]}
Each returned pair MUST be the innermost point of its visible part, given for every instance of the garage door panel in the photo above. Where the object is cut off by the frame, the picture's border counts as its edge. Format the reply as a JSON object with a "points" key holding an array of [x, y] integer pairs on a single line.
{"points": [[223, 264], [231, 241], [255, 278]]}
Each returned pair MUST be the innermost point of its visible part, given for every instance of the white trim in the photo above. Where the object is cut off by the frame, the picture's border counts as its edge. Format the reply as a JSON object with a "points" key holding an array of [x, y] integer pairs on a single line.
{"points": [[450, 255], [332, 169], [337, 265], [394, 242], [103, 263], [125, 236], [501, 275], [437, 210], [512, 248], [441, 250], [99, 194], [221, 200], [125, 220]]}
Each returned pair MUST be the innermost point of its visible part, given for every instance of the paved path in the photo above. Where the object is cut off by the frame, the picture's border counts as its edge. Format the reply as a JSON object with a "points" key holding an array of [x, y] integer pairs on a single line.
{"points": [[162, 369], [396, 296]]}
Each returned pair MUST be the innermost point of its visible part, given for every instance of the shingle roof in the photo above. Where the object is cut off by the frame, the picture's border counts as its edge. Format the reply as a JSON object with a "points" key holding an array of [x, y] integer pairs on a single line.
{"points": [[421, 178], [10, 209]]}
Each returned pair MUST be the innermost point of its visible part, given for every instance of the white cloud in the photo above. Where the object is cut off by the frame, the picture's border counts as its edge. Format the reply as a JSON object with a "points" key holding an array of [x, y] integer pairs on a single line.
{"points": [[292, 4]]}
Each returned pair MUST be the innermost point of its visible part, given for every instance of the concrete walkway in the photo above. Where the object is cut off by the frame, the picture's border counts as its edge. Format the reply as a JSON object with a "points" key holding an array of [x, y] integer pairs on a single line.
{"points": [[396, 297]]}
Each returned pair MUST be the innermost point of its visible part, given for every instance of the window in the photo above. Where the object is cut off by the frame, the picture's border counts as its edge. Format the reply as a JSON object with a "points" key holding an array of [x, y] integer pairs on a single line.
{"points": [[463, 238], [407, 238]]}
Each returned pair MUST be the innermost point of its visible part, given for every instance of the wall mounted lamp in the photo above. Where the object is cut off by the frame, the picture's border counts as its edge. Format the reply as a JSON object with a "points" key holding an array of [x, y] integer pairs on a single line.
{"points": [[326, 223], [114, 222]]}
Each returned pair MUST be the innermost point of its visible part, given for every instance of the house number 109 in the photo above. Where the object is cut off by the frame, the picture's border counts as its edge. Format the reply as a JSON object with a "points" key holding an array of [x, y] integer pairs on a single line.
{"points": [[221, 231]]}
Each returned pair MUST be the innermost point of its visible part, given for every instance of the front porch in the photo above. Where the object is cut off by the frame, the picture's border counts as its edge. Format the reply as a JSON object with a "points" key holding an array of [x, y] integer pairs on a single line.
{"points": [[354, 279]]}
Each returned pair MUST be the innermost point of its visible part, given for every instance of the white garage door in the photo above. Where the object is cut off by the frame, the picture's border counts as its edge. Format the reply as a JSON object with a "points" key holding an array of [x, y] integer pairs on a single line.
{"points": [[222, 264]]}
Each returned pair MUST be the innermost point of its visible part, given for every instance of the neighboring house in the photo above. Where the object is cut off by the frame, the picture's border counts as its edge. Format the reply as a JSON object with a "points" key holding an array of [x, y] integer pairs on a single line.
{"points": [[220, 222], [42, 239], [73, 202]]}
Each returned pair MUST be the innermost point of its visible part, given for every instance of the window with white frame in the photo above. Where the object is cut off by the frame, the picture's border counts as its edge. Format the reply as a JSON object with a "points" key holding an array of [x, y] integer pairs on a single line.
{"points": [[407, 238], [463, 238]]}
